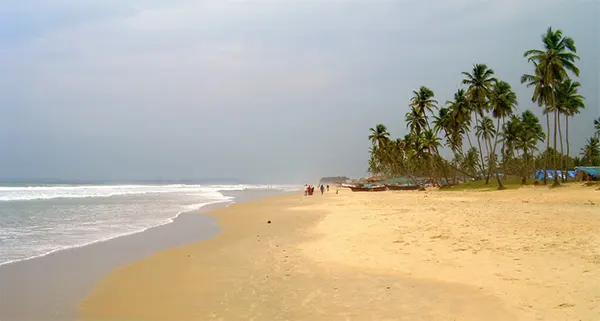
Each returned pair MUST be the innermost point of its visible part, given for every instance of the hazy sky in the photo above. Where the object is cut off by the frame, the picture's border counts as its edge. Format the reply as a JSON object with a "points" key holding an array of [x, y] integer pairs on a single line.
{"points": [[261, 90]]}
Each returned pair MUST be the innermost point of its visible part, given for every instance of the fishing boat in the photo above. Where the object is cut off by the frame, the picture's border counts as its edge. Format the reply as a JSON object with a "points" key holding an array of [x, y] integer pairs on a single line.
{"points": [[402, 187], [368, 189]]}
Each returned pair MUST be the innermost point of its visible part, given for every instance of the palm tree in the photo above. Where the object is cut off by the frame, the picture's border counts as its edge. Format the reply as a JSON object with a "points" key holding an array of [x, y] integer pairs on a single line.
{"points": [[460, 112], [415, 122], [530, 134], [431, 143], [485, 129], [591, 151], [446, 123], [503, 102], [379, 136], [423, 102], [552, 66], [480, 82], [541, 97], [470, 162], [568, 102]]}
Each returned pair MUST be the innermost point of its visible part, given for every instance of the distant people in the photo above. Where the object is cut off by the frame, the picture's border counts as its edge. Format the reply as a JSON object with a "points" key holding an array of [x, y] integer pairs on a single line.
{"points": [[328, 187], [312, 190], [322, 189], [305, 189]]}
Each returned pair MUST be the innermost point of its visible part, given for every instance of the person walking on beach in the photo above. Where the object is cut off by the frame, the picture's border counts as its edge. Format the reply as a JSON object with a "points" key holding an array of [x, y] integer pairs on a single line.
{"points": [[305, 189], [322, 189], [328, 187]]}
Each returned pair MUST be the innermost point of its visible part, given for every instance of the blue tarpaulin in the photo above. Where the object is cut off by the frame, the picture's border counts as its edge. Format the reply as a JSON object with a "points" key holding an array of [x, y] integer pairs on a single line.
{"points": [[550, 173], [593, 171]]}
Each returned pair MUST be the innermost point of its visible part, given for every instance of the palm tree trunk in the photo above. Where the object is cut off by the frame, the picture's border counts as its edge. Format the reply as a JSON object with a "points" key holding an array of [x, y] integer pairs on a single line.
{"points": [[490, 160], [442, 165], [567, 141], [504, 153], [469, 139], [492, 157], [545, 160], [556, 182], [562, 169], [525, 170], [479, 145]]}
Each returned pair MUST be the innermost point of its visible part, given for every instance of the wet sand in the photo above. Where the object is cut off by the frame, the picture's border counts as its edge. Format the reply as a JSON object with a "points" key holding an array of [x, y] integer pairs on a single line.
{"points": [[51, 287], [528, 254]]}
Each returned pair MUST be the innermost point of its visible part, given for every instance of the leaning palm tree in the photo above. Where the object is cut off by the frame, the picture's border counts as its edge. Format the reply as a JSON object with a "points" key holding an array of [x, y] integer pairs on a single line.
{"points": [[431, 142], [379, 136], [568, 102], [553, 64], [503, 102], [480, 82]]}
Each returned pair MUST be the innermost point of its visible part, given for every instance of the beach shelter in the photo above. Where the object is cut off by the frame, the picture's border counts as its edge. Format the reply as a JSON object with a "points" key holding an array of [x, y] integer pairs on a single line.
{"points": [[588, 172]]}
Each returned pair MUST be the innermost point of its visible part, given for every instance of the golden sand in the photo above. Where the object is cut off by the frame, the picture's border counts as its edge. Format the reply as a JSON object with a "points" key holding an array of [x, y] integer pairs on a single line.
{"points": [[527, 254]]}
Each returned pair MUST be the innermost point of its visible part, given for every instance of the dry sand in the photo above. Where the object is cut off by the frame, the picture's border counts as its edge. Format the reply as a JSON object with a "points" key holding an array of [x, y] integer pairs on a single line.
{"points": [[527, 254]]}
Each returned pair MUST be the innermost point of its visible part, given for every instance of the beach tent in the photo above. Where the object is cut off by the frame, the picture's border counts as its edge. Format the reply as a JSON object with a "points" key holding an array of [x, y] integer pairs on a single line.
{"points": [[550, 174], [588, 171]]}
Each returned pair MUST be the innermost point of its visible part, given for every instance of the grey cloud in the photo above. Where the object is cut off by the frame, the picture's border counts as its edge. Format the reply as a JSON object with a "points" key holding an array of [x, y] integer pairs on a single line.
{"points": [[261, 90]]}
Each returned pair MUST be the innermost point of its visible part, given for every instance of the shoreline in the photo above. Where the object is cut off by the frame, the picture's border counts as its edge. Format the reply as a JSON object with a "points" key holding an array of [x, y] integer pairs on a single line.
{"points": [[202, 208], [511, 255], [50, 287]]}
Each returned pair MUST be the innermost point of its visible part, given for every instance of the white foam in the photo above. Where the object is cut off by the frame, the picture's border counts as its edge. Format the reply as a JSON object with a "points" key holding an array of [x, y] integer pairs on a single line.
{"points": [[47, 250], [42, 235], [29, 193]]}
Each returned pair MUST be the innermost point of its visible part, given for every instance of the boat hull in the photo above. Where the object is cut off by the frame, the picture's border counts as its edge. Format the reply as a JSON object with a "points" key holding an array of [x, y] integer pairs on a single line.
{"points": [[369, 189]]}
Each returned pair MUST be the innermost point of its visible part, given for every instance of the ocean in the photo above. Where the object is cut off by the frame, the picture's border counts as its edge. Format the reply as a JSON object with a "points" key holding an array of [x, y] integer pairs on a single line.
{"points": [[36, 220]]}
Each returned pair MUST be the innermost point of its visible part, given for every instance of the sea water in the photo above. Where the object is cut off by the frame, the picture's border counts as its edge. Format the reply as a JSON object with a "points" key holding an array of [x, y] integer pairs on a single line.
{"points": [[40, 219]]}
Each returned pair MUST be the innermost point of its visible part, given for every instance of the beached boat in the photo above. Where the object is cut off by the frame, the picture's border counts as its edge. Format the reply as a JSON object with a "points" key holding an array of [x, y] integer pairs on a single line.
{"points": [[403, 187], [369, 189]]}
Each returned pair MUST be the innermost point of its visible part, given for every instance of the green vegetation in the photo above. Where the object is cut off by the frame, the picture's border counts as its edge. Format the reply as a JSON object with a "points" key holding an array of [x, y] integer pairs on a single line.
{"points": [[485, 107], [479, 185]]}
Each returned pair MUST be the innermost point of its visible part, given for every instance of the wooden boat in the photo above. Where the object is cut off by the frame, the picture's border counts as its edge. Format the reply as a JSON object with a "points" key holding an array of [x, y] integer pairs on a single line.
{"points": [[403, 187], [369, 189]]}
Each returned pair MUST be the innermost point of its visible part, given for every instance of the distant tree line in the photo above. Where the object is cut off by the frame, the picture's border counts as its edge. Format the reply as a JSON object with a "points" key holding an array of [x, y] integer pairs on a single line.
{"points": [[506, 142]]}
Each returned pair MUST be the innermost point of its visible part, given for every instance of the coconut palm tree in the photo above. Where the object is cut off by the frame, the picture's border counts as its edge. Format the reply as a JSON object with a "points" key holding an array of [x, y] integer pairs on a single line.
{"points": [[480, 82], [470, 162], [423, 102], [568, 102], [379, 136], [530, 134], [461, 114], [485, 130], [553, 64], [415, 121], [591, 151], [541, 96], [503, 102], [431, 143]]}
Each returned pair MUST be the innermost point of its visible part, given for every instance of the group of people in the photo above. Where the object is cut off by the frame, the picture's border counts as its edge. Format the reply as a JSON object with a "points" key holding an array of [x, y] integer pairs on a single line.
{"points": [[310, 190]]}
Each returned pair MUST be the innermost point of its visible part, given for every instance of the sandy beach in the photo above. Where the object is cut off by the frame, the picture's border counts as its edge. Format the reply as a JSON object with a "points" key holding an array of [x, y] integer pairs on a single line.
{"points": [[526, 254], [52, 286]]}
